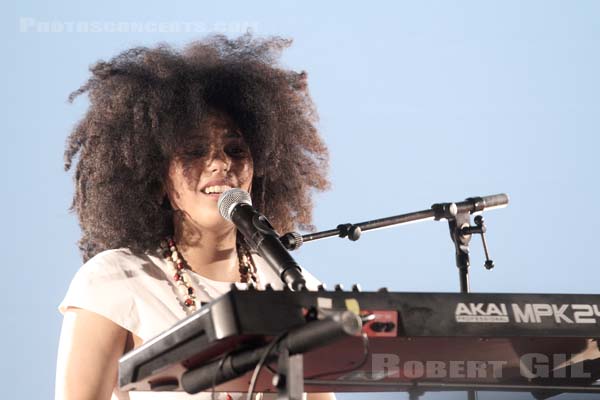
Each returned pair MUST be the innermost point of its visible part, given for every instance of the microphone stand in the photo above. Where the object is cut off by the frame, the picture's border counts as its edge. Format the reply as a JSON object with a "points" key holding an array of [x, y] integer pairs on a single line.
{"points": [[458, 216]]}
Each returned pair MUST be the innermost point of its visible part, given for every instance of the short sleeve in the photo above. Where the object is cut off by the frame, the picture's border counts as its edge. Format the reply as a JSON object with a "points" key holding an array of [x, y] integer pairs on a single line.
{"points": [[102, 286]]}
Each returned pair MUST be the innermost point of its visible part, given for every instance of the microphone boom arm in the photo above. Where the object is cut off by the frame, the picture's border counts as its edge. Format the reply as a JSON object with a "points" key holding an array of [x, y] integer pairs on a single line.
{"points": [[459, 222], [436, 212]]}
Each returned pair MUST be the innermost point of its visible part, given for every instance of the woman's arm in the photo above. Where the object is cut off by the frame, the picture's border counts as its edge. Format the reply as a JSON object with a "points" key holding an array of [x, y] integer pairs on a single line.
{"points": [[88, 353]]}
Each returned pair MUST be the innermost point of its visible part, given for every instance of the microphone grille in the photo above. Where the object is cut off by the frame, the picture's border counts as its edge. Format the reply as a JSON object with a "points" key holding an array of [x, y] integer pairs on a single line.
{"points": [[231, 198]]}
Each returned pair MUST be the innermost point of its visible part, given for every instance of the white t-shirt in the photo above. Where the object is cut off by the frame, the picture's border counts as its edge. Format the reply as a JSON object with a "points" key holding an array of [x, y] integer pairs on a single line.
{"points": [[137, 293]]}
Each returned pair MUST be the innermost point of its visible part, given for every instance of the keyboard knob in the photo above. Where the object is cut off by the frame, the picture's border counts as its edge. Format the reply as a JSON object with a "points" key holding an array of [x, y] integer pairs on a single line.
{"points": [[356, 288], [339, 287]]}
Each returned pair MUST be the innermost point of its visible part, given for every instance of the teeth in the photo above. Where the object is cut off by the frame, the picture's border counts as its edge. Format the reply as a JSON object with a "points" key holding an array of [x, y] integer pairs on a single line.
{"points": [[216, 189]]}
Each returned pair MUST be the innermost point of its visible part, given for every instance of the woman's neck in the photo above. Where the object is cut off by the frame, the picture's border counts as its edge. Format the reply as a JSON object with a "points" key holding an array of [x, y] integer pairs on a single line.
{"points": [[210, 253]]}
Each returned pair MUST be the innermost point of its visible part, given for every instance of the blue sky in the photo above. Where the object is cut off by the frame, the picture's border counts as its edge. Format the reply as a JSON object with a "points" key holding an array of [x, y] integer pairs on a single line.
{"points": [[420, 102]]}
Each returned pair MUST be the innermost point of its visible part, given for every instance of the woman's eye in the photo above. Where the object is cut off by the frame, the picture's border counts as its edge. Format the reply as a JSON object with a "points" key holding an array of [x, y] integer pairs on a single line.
{"points": [[236, 151], [195, 152]]}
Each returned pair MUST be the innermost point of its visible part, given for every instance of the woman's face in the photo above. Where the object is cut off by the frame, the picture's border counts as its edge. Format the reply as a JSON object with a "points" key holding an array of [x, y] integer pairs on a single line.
{"points": [[202, 172]]}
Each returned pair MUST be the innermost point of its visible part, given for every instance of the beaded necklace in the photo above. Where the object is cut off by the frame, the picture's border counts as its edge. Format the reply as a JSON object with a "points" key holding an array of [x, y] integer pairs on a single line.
{"points": [[183, 281]]}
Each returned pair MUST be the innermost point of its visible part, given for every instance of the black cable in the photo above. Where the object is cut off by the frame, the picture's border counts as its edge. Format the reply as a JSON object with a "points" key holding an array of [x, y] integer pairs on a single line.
{"points": [[261, 362], [219, 368], [271, 369], [366, 352]]}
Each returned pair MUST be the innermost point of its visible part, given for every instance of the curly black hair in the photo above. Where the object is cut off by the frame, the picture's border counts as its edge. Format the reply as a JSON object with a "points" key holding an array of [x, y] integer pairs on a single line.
{"points": [[143, 105]]}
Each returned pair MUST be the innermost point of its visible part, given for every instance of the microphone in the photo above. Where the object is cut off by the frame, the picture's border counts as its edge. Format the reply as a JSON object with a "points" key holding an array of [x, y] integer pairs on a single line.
{"points": [[235, 205]]}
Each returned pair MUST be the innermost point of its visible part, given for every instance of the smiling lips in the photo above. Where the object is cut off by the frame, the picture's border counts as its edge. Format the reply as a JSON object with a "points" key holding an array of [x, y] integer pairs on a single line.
{"points": [[215, 189]]}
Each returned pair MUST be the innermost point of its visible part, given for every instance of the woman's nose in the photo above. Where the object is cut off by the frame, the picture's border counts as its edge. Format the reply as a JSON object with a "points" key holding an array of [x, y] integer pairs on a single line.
{"points": [[218, 161]]}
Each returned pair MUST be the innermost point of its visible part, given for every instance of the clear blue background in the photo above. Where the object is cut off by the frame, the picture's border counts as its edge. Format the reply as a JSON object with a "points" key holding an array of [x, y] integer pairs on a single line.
{"points": [[420, 102]]}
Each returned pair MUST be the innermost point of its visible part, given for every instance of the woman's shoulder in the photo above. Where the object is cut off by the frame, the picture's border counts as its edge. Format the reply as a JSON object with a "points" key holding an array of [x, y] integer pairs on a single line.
{"points": [[114, 261], [103, 285], [122, 254], [112, 272], [129, 288]]}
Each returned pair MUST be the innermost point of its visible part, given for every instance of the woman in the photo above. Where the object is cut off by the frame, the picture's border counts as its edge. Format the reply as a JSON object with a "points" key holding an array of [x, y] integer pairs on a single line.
{"points": [[166, 132]]}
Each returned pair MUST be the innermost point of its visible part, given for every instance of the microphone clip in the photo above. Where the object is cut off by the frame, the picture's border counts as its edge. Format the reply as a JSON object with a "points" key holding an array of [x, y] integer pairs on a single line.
{"points": [[461, 232]]}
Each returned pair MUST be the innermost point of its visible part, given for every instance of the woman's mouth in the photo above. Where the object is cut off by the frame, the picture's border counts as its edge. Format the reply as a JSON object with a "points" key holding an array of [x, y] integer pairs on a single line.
{"points": [[214, 191]]}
